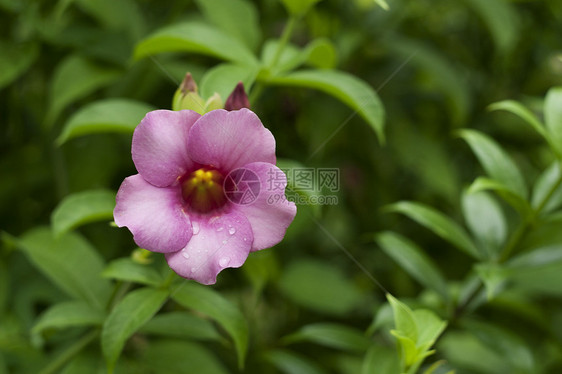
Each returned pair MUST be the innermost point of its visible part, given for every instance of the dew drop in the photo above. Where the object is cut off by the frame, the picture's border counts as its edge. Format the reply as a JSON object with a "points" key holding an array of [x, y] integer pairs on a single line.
{"points": [[224, 261], [193, 270], [245, 239], [195, 226], [185, 255], [231, 230], [224, 242], [220, 228]]}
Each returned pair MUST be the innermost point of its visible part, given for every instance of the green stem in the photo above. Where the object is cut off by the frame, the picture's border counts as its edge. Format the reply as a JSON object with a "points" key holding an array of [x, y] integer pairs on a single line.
{"points": [[72, 351], [283, 41], [285, 37], [524, 225]]}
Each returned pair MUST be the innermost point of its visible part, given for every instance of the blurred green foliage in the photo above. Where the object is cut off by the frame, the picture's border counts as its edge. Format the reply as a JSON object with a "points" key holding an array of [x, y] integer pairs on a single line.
{"points": [[443, 118]]}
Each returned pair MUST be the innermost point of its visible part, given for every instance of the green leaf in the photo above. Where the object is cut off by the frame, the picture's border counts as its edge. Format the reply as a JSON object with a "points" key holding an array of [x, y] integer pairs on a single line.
{"points": [[522, 112], [382, 360], [493, 276], [291, 56], [68, 314], [547, 191], [195, 37], [15, 60], [74, 78], [180, 357], [125, 269], [331, 335], [320, 287], [126, 318], [430, 327], [70, 262], [501, 19], [299, 7], [345, 87], [505, 343], [238, 18], [536, 258], [224, 77], [110, 115], [486, 220], [439, 223], [414, 261], [404, 319], [553, 115], [321, 53], [205, 300], [82, 207], [495, 161], [292, 363], [515, 200], [181, 325]]}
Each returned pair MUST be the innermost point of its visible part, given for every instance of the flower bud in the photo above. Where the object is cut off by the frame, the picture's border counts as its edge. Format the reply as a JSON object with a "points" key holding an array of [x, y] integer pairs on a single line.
{"points": [[237, 99]]}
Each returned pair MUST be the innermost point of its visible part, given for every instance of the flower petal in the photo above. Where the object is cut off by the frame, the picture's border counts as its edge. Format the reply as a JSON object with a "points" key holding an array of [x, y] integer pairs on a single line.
{"points": [[160, 146], [228, 140], [269, 212], [154, 215], [218, 242]]}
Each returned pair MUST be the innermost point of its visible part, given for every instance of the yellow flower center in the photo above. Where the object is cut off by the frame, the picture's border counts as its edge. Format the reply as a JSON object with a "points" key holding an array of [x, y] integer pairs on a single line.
{"points": [[203, 190]]}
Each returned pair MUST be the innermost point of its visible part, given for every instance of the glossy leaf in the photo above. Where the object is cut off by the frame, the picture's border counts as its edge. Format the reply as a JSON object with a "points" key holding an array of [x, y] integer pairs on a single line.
{"points": [[414, 261], [291, 56], [195, 37], [380, 359], [110, 115], [430, 327], [81, 208], [320, 287], [331, 335], [68, 314], [70, 262], [547, 191], [522, 112], [537, 257], [404, 319], [291, 363], [495, 161], [181, 357], [224, 77], [125, 269], [345, 87], [439, 223], [553, 115], [181, 325], [136, 308], [110, 14], [486, 220], [505, 192], [74, 78], [205, 300], [238, 18], [298, 7]]}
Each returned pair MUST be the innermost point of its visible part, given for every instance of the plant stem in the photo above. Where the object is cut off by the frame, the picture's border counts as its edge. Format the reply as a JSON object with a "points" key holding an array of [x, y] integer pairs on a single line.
{"points": [[283, 41], [72, 351]]}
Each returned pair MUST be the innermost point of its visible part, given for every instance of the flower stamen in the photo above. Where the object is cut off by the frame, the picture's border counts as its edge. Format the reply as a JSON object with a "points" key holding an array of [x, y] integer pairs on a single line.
{"points": [[203, 191]]}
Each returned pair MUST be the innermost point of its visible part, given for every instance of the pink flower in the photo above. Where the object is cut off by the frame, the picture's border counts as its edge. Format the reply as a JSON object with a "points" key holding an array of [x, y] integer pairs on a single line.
{"points": [[208, 191]]}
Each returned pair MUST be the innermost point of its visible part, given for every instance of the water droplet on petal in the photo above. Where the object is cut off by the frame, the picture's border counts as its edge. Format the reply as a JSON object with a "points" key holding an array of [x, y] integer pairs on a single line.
{"points": [[193, 270], [195, 226], [224, 261], [220, 228], [224, 242], [245, 239], [185, 255], [231, 230]]}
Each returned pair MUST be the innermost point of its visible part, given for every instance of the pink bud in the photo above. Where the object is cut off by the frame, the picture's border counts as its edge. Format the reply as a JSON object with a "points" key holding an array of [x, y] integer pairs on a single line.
{"points": [[237, 99]]}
